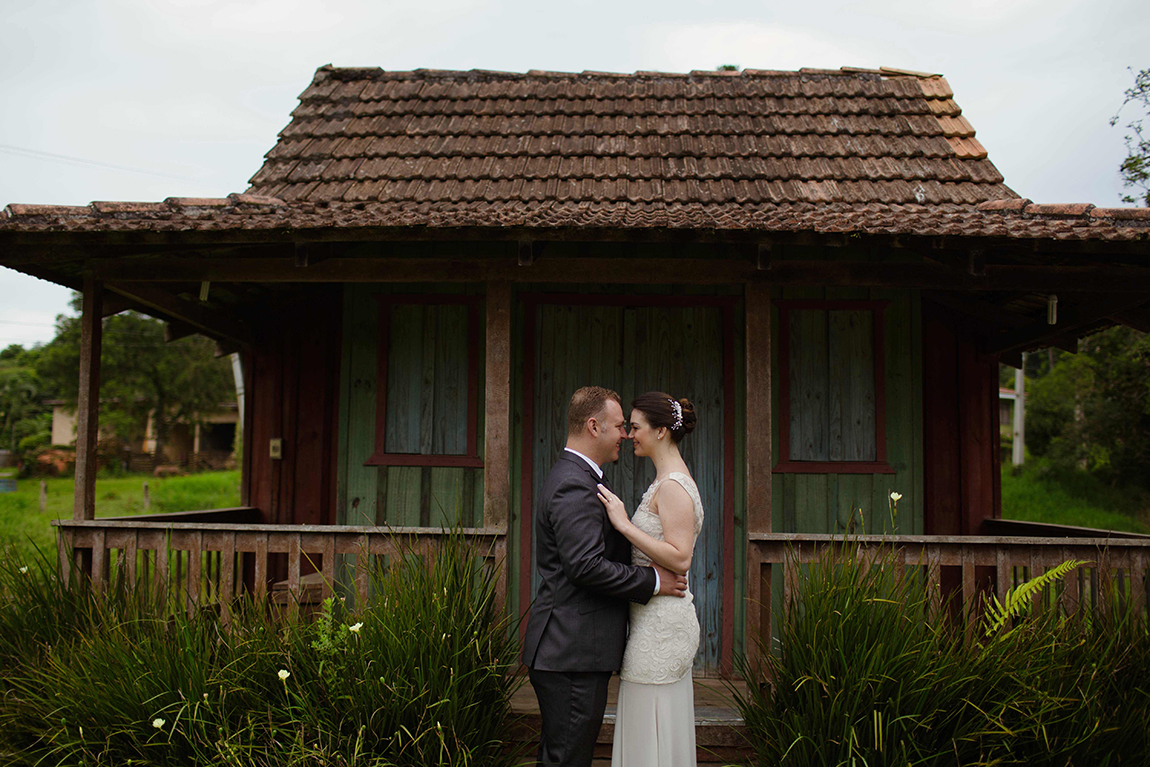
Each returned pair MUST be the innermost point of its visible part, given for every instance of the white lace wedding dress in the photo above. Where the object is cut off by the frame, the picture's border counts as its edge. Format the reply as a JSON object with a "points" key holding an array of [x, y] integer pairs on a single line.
{"points": [[655, 716]]}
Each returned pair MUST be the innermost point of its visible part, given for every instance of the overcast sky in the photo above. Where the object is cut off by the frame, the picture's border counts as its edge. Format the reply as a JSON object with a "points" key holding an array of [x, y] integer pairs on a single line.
{"points": [[147, 99]]}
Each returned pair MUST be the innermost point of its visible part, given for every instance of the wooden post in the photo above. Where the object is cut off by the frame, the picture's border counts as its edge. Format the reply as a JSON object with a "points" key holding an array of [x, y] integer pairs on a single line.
{"points": [[88, 401], [43, 495], [497, 408]]}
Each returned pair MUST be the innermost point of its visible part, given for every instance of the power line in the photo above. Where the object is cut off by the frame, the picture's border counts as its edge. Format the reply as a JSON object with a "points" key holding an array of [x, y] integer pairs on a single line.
{"points": [[36, 154], [36, 324]]}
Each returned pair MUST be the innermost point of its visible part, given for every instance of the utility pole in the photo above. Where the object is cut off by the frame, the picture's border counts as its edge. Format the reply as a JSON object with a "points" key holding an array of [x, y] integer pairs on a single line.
{"points": [[1018, 443]]}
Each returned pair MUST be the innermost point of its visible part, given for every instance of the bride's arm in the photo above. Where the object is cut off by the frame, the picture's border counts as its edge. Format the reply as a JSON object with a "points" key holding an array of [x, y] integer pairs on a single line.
{"points": [[676, 510]]}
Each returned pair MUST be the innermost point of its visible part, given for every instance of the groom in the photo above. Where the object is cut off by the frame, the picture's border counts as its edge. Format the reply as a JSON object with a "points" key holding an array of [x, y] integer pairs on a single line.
{"points": [[578, 625]]}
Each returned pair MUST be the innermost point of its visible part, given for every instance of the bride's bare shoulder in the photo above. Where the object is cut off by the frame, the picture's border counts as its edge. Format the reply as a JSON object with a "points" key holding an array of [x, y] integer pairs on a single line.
{"points": [[672, 493]]}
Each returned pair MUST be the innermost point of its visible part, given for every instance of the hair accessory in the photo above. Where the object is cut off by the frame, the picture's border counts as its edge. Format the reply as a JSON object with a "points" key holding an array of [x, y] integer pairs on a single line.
{"points": [[677, 409]]}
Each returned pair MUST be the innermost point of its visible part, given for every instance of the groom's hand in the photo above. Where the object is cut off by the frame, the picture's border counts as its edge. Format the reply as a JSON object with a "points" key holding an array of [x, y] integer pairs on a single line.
{"points": [[670, 584]]}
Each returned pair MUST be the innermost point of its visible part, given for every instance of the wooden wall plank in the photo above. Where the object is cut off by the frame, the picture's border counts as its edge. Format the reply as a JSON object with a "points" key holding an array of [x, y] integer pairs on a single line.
{"points": [[916, 411], [344, 407], [840, 361], [758, 428], [289, 418], [362, 318], [901, 360], [941, 488], [404, 495], [422, 361], [859, 426], [406, 401], [495, 490]]}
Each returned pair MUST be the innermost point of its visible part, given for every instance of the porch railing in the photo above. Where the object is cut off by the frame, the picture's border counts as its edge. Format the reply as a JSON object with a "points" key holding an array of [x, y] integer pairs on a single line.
{"points": [[1117, 568], [201, 556]]}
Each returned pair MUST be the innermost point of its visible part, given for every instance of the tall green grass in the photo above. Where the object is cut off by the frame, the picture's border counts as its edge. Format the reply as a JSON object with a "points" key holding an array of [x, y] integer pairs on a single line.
{"points": [[864, 674], [421, 675]]}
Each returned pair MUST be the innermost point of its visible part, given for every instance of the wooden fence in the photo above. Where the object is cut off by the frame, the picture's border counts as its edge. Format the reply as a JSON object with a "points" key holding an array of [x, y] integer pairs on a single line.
{"points": [[201, 556], [994, 564]]}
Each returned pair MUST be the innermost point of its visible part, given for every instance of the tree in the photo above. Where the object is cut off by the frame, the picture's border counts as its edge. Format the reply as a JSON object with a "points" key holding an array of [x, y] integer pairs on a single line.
{"points": [[1092, 409], [18, 402], [1135, 169], [141, 375]]}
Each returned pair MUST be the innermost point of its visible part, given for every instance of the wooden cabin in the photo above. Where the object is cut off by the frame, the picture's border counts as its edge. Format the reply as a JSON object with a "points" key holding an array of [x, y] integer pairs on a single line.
{"points": [[430, 262]]}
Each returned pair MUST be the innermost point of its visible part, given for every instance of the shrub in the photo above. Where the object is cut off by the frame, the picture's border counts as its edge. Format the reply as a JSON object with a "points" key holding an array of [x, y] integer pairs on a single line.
{"points": [[867, 674], [421, 675]]}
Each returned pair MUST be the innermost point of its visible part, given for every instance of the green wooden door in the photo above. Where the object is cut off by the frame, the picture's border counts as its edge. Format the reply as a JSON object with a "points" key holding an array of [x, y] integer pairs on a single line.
{"points": [[633, 349]]}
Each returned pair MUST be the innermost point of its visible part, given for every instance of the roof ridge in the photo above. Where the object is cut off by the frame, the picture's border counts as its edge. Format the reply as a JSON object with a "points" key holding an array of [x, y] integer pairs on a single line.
{"points": [[346, 74]]}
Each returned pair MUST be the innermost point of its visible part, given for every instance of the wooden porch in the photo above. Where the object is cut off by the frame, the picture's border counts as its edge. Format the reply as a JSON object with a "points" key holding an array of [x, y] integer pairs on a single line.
{"points": [[719, 737]]}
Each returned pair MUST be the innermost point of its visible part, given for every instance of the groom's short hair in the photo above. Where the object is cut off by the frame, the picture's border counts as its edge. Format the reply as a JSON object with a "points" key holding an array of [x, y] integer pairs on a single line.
{"points": [[587, 402]]}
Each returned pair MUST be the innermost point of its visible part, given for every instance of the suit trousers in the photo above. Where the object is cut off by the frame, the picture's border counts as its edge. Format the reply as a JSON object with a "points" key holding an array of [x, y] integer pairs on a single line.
{"points": [[571, 705]]}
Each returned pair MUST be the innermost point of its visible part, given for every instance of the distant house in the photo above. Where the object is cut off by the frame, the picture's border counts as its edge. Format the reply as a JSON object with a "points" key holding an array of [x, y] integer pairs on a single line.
{"points": [[207, 444], [429, 263]]}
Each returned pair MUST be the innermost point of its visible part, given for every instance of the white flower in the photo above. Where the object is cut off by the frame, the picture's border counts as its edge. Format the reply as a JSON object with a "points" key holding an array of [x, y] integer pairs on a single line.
{"points": [[284, 674], [24, 570], [158, 723], [895, 497], [355, 629]]}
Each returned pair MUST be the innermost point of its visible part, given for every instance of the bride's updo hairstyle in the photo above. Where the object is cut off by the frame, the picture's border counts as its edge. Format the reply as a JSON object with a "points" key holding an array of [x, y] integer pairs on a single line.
{"points": [[659, 408]]}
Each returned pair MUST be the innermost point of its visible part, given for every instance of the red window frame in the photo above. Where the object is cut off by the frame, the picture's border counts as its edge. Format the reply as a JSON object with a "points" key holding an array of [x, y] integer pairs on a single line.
{"points": [[785, 464], [470, 459]]}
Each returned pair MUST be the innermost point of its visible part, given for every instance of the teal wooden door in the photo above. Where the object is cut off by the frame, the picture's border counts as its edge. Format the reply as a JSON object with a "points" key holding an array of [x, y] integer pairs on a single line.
{"points": [[633, 349]]}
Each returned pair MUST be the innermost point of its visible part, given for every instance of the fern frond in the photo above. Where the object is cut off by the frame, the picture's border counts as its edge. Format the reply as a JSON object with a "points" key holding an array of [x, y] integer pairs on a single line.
{"points": [[1018, 598]]}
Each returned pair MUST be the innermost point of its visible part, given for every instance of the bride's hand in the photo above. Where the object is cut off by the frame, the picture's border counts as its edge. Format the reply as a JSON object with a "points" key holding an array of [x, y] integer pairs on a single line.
{"points": [[616, 511]]}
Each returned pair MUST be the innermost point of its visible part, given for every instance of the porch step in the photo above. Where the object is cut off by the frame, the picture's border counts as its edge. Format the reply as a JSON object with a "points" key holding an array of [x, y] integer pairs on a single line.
{"points": [[719, 730]]}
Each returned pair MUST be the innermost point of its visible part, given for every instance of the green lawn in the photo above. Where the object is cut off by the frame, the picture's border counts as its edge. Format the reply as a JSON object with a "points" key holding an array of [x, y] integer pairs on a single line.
{"points": [[1039, 494], [23, 525]]}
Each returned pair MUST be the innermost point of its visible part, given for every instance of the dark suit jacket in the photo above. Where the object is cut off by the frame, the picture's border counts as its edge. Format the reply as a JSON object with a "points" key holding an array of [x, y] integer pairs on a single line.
{"points": [[579, 618]]}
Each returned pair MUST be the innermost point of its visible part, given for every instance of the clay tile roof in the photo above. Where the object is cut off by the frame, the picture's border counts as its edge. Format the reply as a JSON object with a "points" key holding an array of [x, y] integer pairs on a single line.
{"points": [[872, 136], [836, 151]]}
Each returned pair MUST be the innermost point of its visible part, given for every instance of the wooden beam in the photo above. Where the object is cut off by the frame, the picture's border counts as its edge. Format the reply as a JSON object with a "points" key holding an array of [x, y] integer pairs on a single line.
{"points": [[114, 304], [212, 322], [526, 252], [174, 331], [976, 263], [226, 348], [891, 274], [553, 270], [999, 277], [1138, 318], [763, 256], [1013, 359], [1084, 315], [758, 407], [983, 314], [497, 408], [88, 400]]}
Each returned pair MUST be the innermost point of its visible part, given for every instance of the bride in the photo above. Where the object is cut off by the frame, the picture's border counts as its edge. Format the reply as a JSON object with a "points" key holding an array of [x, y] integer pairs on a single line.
{"points": [[655, 719]]}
